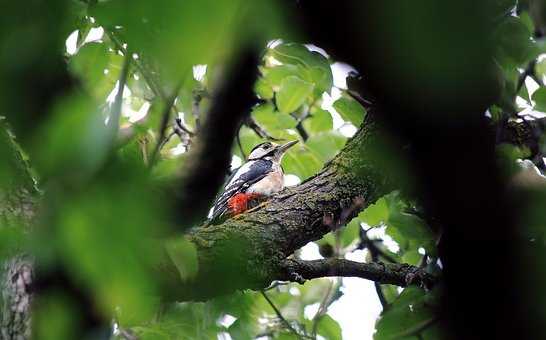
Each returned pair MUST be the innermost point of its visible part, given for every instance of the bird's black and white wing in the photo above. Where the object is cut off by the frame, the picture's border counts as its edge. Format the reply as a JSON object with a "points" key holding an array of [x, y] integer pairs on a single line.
{"points": [[248, 174]]}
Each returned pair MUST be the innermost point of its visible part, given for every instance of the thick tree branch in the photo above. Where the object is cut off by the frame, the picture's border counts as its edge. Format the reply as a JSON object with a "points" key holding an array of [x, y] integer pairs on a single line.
{"points": [[248, 251], [384, 273]]}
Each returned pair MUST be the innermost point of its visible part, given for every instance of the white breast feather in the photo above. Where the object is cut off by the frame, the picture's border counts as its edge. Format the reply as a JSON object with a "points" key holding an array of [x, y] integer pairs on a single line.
{"points": [[270, 184]]}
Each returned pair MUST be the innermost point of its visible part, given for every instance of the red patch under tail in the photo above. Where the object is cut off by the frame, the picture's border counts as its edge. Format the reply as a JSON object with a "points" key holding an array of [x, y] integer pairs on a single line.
{"points": [[239, 203]]}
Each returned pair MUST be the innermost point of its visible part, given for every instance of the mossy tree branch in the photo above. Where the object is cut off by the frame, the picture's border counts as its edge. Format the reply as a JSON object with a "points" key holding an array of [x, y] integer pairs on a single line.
{"points": [[249, 251]]}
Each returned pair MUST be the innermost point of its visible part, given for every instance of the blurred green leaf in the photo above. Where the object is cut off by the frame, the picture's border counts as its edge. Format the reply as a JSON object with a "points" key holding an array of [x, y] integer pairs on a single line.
{"points": [[263, 89], [55, 317], [90, 63], [73, 142], [328, 328], [539, 97], [350, 110], [390, 292], [351, 232], [326, 145], [301, 163], [268, 118], [313, 291], [411, 257], [319, 121], [375, 213], [276, 74], [513, 43], [292, 94], [241, 329], [184, 255], [406, 315], [315, 63]]}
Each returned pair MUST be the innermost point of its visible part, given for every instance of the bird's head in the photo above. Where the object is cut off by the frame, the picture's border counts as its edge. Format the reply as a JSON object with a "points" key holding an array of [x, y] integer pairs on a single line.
{"points": [[270, 150]]}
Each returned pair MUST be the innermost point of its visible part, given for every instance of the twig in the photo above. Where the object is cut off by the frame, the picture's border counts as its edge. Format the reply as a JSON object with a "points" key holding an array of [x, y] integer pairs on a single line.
{"points": [[365, 242], [179, 125], [166, 116], [276, 284], [197, 96], [115, 113], [381, 295], [374, 252], [328, 299], [279, 315], [148, 77], [258, 130]]}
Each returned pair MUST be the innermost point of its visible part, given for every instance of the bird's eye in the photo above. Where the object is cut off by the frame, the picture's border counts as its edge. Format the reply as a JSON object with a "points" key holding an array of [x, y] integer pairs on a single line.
{"points": [[267, 146]]}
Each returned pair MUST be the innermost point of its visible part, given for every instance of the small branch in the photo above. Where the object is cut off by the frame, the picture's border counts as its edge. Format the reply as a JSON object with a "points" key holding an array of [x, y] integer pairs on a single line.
{"points": [[332, 294], [365, 242], [381, 296], [384, 273], [252, 124], [374, 252], [302, 132], [179, 126], [279, 315], [166, 116], [115, 113], [197, 96]]}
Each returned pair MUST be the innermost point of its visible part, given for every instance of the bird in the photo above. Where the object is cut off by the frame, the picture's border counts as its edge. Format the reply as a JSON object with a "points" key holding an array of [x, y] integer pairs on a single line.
{"points": [[257, 179]]}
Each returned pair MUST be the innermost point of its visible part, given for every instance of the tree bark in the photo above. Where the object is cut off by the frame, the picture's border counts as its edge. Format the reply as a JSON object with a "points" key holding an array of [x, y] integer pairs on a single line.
{"points": [[18, 196], [248, 251]]}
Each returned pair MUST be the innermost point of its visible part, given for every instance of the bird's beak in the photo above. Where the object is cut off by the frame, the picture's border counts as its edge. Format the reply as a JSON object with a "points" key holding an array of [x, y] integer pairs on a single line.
{"points": [[283, 148]]}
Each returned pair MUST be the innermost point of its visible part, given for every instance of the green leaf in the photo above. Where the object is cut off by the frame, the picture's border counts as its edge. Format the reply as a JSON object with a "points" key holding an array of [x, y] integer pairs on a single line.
{"points": [[313, 291], [513, 43], [89, 65], [411, 257], [350, 110], [293, 93], [268, 118], [350, 232], [319, 121], [315, 63], [326, 145], [263, 89], [276, 74], [376, 213], [301, 163], [184, 256], [329, 328], [539, 97], [408, 313]]}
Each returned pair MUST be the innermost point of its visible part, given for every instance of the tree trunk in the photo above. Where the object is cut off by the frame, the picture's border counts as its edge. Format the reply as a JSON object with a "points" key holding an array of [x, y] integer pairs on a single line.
{"points": [[18, 196]]}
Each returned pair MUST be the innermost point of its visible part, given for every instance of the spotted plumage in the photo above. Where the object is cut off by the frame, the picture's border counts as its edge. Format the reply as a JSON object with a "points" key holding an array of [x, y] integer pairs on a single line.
{"points": [[260, 177]]}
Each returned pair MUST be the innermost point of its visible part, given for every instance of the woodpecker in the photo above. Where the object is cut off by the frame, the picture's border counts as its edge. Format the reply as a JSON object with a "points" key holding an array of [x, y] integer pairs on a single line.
{"points": [[260, 177]]}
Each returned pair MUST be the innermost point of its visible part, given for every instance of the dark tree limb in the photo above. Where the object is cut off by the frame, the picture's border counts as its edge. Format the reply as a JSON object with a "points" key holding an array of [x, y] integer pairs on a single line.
{"points": [[210, 155], [385, 273]]}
